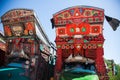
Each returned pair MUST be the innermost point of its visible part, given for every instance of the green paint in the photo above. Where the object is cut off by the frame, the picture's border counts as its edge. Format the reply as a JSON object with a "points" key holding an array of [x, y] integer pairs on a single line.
{"points": [[83, 29], [41, 47], [88, 77], [93, 11], [78, 74], [11, 73], [85, 41], [7, 69], [99, 45], [58, 46], [72, 30], [79, 77]]}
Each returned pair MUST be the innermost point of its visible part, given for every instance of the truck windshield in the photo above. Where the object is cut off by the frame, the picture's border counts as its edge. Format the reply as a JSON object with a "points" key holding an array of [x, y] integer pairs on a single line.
{"points": [[78, 71], [75, 66]]}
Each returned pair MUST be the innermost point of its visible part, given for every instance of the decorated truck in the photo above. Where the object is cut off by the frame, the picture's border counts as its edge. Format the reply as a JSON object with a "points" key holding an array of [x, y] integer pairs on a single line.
{"points": [[79, 41], [27, 47]]}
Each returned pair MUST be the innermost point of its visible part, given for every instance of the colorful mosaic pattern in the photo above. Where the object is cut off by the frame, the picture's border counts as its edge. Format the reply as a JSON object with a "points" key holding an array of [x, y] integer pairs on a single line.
{"points": [[79, 14], [15, 13]]}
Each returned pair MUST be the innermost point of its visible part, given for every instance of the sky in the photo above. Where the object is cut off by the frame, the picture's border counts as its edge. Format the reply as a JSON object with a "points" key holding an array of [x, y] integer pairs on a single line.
{"points": [[46, 8]]}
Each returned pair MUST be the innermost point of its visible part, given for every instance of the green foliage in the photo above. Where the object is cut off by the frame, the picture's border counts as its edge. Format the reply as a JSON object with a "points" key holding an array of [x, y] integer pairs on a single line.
{"points": [[110, 73], [115, 77]]}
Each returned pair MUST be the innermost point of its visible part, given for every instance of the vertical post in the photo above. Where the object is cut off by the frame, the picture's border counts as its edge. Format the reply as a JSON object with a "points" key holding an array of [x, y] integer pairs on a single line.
{"points": [[59, 60], [58, 65]]}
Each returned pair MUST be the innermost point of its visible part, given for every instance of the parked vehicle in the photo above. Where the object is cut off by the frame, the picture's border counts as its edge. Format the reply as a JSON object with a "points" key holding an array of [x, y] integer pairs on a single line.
{"points": [[79, 38], [25, 40]]}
